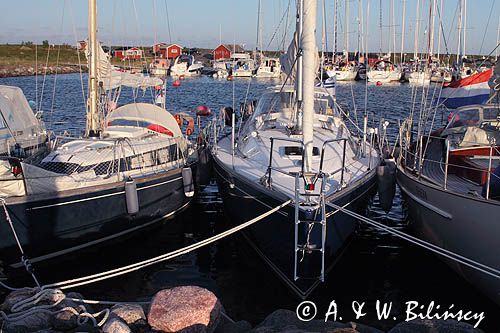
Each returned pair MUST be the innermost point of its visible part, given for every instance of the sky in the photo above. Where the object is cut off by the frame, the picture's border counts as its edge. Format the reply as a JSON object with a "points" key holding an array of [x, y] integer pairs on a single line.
{"points": [[202, 23]]}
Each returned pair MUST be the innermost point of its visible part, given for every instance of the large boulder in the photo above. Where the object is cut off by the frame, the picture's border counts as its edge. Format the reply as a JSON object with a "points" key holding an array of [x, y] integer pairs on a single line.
{"points": [[129, 313], [185, 309], [64, 320], [434, 326]]}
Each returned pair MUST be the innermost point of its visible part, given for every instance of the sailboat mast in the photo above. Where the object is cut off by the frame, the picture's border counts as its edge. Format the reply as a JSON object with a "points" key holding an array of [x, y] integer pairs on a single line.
{"points": [[93, 126], [464, 52], [258, 41], [417, 18], [498, 37], [335, 8], [309, 50], [298, 83], [346, 30], [403, 32], [459, 58]]}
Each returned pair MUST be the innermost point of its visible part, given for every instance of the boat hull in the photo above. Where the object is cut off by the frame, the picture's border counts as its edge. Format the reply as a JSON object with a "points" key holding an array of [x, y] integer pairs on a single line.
{"points": [[53, 225], [273, 238], [458, 223]]}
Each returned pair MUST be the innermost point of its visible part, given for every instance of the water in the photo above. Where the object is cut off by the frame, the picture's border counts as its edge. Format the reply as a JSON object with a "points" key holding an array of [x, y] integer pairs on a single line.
{"points": [[377, 266]]}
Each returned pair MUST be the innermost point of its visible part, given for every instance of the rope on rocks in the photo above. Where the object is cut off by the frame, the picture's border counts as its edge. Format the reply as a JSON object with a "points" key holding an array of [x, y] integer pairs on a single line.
{"points": [[24, 259], [28, 307]]}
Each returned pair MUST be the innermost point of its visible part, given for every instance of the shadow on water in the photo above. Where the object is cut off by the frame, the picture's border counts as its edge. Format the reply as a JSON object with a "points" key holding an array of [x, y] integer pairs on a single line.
{"points": [[376, 266]]}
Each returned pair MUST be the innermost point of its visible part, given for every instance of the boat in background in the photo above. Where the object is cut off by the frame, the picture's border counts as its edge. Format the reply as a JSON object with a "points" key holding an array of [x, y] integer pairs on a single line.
{"points": [[384, 71], [185, 65], [268, 68], [159, 67], [300, 152], [241, 65], [22, 132]]}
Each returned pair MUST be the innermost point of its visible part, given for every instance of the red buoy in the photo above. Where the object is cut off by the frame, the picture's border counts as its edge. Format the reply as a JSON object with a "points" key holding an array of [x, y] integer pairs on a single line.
{"points": [[230, 78], [203, 110], [176, 83], [379, 83]]}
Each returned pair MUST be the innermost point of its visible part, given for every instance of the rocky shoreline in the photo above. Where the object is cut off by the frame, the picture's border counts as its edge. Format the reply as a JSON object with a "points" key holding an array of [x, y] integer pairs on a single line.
{"points": [[187, 309], [14, 71]]}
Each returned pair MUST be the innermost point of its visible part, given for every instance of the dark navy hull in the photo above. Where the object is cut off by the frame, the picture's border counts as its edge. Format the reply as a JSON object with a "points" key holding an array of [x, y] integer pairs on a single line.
{"points": [[49, 226], [273, 237]]}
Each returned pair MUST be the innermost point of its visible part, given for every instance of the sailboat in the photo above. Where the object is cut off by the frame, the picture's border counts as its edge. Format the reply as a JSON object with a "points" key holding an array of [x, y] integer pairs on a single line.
{"points": [[130, 170], [450, 180], [269, 67], [295, 146]]}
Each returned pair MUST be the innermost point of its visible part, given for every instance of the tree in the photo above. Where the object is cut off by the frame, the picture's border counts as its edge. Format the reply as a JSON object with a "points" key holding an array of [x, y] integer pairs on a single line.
{"points": [[45, 43]]}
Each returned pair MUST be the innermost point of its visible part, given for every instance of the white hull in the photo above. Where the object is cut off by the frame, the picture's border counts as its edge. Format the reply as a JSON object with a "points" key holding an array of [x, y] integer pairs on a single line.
{"points": [[347, 75], [419, 78], [383, 76]]}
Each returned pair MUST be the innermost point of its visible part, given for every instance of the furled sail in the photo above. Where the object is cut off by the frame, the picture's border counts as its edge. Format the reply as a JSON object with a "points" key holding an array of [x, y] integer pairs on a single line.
{"points": [[288, 60], [113, 77]]}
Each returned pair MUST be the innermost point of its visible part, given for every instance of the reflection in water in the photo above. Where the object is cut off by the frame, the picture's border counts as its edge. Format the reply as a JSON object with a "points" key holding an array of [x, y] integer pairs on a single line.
{"points": [[377, 266]]}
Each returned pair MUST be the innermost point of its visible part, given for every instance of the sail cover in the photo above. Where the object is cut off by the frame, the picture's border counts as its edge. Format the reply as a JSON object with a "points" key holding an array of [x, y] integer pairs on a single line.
{"points": [[113, 77], [16, 114], [288, 62]]}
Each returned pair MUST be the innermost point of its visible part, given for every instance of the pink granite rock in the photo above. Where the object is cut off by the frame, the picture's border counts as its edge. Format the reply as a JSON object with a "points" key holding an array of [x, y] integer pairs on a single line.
{"points": [[188, 309]]}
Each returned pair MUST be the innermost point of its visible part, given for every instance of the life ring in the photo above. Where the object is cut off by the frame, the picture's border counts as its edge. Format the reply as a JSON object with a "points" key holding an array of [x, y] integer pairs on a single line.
{"points": [[184, 120]]}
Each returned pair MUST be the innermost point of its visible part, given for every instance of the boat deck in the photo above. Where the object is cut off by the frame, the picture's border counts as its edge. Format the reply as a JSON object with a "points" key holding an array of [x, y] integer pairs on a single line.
{"points": [[433, 170]]}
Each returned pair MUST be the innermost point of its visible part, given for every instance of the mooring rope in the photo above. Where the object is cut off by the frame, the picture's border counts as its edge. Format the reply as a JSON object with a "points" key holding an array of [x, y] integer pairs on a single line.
{"points": [[134, 267], [419, 242], [24, 259]]}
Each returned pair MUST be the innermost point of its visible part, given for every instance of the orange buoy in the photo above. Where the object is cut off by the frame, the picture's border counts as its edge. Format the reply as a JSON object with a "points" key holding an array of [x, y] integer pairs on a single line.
{"points": [[379, 83], [203, 110], [176, 83]]}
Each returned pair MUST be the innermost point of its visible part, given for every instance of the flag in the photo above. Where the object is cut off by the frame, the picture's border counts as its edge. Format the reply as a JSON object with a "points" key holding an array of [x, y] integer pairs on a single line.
{"points": [[471, 90]]}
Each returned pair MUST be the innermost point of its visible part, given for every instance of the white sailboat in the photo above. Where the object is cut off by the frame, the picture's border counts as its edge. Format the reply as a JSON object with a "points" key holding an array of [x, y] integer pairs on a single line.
{"points": [[296, 146]]}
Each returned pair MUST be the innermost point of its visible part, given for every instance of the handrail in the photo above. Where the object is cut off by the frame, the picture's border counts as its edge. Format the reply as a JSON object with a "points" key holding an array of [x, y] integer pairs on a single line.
{"points": [[343, 157], [270, 168]]}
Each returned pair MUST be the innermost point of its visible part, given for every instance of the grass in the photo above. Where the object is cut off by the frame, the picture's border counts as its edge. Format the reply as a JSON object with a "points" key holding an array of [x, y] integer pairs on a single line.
{"points": [[26, 55]]}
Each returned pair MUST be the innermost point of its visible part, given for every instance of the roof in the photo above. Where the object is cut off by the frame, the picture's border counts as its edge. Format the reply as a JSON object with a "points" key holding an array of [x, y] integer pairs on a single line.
{"points": [[233, 48]]}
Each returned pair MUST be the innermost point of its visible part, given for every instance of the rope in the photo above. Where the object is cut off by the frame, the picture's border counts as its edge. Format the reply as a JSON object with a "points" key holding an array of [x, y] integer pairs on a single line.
{"points": [[134, 267], [426, 245], [24, 259], [27, 307]]}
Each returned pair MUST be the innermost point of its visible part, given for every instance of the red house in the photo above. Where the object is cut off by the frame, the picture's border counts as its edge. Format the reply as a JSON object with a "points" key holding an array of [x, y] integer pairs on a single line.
{"points": [[133, 53], [171, 51], [225, 51]]}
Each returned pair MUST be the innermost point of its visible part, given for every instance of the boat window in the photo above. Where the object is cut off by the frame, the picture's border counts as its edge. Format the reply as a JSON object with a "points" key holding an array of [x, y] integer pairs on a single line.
{"points": [[464, 118], [297, 151], [491, 114]]}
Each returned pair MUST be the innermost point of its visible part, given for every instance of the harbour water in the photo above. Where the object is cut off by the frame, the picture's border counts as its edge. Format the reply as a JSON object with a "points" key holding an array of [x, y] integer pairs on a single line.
{"points": [[376, 266]]}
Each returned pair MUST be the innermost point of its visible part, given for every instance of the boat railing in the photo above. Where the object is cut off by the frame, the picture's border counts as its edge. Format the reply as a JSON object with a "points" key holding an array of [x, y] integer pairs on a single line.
{"points": [[315, 175], [407, 157]]}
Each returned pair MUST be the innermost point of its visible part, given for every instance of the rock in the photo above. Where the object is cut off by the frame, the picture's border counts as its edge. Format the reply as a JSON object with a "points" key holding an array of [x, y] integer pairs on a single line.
{"points": [[87, 328], [115, 325], [64, 321], [32, 323], [236, 327], [129, 313], [184, 309], [140, 326], [287, 321], [433, 326], [15, 297]]}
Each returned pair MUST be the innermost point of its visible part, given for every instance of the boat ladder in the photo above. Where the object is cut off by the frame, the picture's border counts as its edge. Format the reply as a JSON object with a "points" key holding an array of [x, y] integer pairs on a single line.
{"points": [[316, 218]]}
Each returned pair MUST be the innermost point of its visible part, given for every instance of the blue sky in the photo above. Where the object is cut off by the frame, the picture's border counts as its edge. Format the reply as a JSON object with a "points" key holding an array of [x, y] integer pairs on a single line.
{"points": [[197, 22]]}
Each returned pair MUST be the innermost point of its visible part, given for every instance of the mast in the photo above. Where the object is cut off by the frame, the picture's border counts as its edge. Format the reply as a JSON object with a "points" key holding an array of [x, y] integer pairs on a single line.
{"points": [[415, 46], [335, 7], [258, 42], [93, 126], [459, 58], [298, 83], [439, 31], [323, 37], [498, 37], [309, 50], [380, 26], [393, 27], [403, 32], [346, 30], [464, 52]]}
